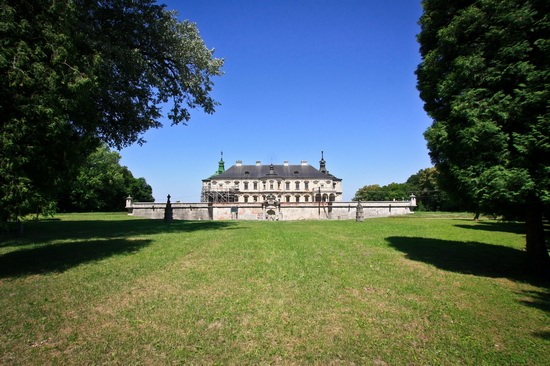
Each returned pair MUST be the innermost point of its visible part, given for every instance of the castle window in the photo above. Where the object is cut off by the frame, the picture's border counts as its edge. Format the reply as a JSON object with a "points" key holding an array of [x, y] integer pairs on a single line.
{"points": [[297, 198], [245, 185], [255, 186], [264, 185], [306, 184], [296, 172], [255, 198], [287, 198], [271, 185], [245, 199], [306, 198], [297, 185], [287, 186]]}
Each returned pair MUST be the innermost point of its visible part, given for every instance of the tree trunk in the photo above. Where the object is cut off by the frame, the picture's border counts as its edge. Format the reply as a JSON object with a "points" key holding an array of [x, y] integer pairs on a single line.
{"points": [[537, 252]]}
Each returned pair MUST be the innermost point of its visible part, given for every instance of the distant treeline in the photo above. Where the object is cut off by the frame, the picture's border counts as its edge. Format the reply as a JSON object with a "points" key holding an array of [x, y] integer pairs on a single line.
{"points": [[102, 184], [424, 185]]}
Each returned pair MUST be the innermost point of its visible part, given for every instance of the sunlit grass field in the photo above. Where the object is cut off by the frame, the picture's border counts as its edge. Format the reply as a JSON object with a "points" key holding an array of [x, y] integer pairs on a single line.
{"points": [[416, 290]]}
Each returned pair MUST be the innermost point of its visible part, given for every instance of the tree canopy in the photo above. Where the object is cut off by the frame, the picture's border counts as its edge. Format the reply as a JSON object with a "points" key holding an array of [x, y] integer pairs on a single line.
{"points": [[423, 184], [75, 73], [485, 81], [102, 184], [375, 192]]}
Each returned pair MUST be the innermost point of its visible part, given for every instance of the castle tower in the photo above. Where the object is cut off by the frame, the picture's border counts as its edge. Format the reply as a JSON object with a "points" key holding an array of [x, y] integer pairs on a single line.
{"points": [[322, 164], [221, 166]]}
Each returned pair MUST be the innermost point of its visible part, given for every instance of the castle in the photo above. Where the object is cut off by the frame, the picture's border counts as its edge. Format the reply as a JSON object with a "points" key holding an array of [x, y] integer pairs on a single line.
{"points": [[283, 183], [270, 192]]}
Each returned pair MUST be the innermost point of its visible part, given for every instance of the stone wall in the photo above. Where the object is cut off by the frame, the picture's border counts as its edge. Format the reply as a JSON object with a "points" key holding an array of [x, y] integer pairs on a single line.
{"points": [[275, 211]]}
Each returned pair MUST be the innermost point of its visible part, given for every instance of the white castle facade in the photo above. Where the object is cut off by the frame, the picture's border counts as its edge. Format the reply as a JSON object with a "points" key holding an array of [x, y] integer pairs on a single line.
{"points": [[284, 183], [270, 192]]}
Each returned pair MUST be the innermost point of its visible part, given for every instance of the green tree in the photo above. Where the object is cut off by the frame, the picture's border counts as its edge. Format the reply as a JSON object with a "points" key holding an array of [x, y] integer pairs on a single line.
{"points": [[74, 73], [102, 184], [390, 192], [369, 193], [485, 81], [137, 188], [425, 185]]}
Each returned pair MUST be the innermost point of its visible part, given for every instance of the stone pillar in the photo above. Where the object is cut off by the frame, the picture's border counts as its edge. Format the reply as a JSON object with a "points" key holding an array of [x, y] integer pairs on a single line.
{"points": [[359, 214], [168, 214], [129, 204], [413, 200]]}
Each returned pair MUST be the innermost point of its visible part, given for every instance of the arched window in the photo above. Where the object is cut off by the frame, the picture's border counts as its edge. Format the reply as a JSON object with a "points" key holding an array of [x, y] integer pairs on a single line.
{"points": [[287, 198], [297, 198]]}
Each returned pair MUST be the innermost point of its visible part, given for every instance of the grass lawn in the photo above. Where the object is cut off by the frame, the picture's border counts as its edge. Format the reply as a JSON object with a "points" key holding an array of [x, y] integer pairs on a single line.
{"points": [[416, 290]]}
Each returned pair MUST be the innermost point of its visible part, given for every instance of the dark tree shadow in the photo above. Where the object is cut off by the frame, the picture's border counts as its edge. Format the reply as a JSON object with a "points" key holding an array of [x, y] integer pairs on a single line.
{"points": [[474, 258], [478, 259], [88, 240], [500, 226], [41, 232], [539, 300], [60, 257]]}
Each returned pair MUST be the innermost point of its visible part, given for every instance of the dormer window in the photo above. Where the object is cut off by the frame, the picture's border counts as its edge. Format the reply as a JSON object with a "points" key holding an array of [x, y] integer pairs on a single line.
{"points": [[296, 172]]}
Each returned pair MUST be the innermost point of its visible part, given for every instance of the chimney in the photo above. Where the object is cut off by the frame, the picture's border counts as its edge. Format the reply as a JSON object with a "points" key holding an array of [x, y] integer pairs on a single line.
{"points": [[239, 163], [258, 163], [286, 163], [304, 162]]}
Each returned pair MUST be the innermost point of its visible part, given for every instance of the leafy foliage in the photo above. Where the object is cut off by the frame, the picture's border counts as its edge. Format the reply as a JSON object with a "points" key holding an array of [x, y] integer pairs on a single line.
{"points": [[102, 184], [375, 192], [75, 73], [429, 196], [424, 185], [485, 81]]}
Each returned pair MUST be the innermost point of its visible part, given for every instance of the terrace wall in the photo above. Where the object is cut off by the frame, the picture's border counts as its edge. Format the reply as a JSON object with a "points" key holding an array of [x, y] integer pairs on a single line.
{"points": [[265, 211]]}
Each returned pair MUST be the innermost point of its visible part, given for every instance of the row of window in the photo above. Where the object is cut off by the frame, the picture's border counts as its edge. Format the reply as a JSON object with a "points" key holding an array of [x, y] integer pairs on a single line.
{"points": [[297, 198], [271, 185]]}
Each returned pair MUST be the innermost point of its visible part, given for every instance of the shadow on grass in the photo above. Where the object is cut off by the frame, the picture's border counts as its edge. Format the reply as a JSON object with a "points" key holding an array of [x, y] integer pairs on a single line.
{"points": [[88, 240], [474, 258], [505, 227], [540, 300], [41, 232], [60, 257]]}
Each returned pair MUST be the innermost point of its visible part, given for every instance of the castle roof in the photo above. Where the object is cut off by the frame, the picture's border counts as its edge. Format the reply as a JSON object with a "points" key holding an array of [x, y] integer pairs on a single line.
{"points": [[302, 171]]}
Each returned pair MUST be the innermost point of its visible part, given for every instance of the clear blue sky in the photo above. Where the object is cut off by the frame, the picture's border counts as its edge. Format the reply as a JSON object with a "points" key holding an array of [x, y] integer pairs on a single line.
{"points": [[300, 77]]}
